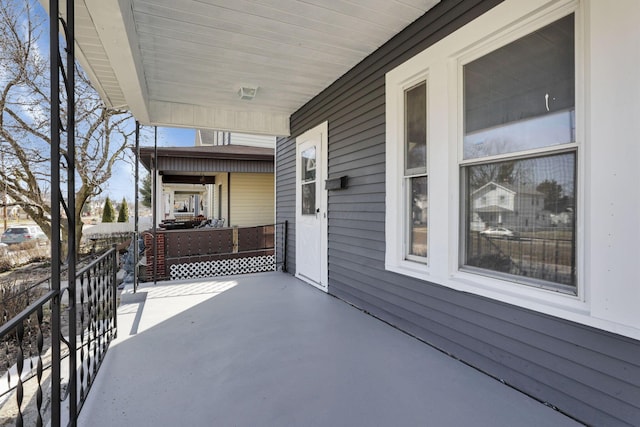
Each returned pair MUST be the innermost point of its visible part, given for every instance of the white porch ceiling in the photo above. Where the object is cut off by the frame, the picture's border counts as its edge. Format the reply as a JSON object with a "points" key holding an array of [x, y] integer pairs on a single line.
{"points": [[181, 62]]}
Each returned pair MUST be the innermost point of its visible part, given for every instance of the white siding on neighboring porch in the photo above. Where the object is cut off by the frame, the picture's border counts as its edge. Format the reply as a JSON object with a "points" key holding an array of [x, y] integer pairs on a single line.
{"points": [[252, 199], [253, 140], [206, 137]]}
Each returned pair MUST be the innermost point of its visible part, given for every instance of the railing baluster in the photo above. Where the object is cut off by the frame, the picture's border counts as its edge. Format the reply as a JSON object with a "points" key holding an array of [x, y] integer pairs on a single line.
{"points": [[104, 278], [19, 367], [114, 292], [81, 374], [91, 332], [40, 346], [557, 253], [544, 259], [95, 338]]}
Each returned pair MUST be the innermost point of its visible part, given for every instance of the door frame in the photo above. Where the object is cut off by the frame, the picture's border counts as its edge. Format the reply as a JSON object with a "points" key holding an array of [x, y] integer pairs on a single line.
{"points": [[321, 130]]}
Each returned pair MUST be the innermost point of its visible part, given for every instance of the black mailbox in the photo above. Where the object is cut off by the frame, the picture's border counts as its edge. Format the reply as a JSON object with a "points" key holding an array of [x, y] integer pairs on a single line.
{"points": [[336, 183]]}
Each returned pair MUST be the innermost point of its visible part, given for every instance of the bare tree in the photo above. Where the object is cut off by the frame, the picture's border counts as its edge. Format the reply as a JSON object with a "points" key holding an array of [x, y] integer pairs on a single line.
{"points": [[102, 133]]}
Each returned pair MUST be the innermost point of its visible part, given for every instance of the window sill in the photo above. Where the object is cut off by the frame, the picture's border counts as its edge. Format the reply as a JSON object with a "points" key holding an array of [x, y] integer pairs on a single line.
{"points": [[522, 295], [409, 268]]}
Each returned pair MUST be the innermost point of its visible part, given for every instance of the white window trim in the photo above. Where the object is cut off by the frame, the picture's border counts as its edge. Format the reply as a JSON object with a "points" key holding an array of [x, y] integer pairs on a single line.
{"points": [[521, 24], [396, 226], [442, 64]]}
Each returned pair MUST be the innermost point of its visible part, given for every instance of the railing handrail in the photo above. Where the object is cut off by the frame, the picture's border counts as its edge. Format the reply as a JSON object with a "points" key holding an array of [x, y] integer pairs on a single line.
{"points": [[24, 314], [26, 290], [31, 308], [48, 279], [92, 263]]}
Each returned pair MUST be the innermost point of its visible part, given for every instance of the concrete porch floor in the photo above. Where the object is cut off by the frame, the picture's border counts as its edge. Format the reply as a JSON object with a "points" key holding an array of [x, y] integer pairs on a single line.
{"points": [[269, 350]]}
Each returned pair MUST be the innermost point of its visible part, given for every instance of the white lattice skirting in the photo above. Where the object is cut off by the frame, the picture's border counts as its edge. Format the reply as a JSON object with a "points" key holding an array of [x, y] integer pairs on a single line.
{"points": [[223, 267]]}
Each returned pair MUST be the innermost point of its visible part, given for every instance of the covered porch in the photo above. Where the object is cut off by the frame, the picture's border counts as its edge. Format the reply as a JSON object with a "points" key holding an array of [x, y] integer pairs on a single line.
{"points": [[266, 349], [231, 183]]}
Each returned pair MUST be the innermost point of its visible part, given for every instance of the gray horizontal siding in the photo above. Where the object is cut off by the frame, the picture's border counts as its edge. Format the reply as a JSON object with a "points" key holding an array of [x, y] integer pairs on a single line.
{"points": [[285, 163], [592, 375], [190, 164]]}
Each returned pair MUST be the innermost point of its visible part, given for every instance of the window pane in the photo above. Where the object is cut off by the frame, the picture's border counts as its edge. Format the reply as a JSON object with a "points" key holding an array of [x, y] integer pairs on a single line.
{"points": [[309, 199], [522, 96], [418, 216], [416, 128], [308, 170], [520, 219], [308, 162]]}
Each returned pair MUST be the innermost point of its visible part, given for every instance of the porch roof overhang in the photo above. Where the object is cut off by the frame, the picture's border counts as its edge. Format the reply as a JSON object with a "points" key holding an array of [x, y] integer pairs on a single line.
{"points": [[181, 63], [493, 209], [190, 162]]}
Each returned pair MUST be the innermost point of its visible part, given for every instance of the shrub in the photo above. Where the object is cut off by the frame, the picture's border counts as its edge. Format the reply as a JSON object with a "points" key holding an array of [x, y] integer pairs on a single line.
{"points": [[123, 213], [15, 296], [108, 213]]}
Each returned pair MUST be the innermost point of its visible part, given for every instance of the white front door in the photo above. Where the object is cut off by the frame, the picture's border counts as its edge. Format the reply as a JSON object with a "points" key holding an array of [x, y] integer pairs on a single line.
{"points": [[311, 207]]}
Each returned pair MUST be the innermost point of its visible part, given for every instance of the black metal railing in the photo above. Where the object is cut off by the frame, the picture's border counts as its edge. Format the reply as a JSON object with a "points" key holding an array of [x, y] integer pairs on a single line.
{"points": [[545, 259], [27, 392], [97, 319], [25, 342]]}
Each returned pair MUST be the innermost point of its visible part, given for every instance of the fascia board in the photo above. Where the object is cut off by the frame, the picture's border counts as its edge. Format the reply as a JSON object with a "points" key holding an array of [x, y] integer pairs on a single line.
{"points": [[115, 26]]}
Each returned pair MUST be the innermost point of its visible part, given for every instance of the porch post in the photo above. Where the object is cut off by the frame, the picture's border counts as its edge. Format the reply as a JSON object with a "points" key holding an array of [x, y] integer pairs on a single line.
{"points": [[155, 204], [71, 210], [135, 215], [55, 211]]}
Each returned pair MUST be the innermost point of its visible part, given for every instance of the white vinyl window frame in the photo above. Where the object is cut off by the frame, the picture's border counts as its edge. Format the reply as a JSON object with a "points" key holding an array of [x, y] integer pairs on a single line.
{"points": [[416, 172], [494, 285], [397, 198], [570, 147]]}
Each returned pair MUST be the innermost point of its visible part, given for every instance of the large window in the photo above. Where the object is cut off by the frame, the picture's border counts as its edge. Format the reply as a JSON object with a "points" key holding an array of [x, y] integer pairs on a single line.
{"points": [[519, 160]]}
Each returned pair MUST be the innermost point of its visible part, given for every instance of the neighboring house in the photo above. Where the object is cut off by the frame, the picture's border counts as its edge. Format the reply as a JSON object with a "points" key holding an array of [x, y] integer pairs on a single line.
{"points": [[12, 210], [205, 137], [378, 172], [507, 206], [222, 181]]}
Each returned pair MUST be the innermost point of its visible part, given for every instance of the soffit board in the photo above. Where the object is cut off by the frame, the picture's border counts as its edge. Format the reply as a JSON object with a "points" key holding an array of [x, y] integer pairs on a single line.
{"points": [[182, 62]]}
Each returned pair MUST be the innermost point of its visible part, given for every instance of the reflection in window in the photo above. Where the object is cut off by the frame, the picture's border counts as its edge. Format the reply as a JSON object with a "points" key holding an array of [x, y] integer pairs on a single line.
{"points": [[416, 129], [309, 198], [415, 171], [418, 220], [526, 227], [309, 164], [519, 213], [521, 96]]}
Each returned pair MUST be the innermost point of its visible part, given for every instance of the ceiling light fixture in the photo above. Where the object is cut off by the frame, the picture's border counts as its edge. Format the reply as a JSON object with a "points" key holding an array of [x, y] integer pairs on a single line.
{"points": [[247, 92]]}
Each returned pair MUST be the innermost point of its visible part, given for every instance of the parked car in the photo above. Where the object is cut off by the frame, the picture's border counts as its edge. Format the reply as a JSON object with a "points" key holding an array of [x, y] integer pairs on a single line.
{"points": [[500, 232], [23, 233]]}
